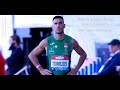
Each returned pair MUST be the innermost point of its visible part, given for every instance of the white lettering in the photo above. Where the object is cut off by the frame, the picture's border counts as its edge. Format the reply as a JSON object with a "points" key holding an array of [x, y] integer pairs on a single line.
{"points": [[59, 63]]}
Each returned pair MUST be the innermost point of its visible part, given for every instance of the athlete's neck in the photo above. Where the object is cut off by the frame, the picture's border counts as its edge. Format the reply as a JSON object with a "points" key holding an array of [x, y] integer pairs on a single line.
{"points": [[59, 36]]}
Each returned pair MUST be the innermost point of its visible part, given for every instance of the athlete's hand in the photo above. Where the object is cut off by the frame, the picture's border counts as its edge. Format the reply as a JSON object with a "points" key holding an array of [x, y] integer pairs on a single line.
{"points": [[73, 72], [45, 72]]}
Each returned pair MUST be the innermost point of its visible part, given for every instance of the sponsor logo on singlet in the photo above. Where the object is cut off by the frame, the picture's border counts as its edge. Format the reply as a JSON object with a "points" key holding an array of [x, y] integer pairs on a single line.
{"points": [[59, 62], [65, 45], [52, 43]]}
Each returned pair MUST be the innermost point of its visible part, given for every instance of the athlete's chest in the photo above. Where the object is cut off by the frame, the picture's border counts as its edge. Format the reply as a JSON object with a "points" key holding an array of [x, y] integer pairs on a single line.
{"points": [[58, 48]]}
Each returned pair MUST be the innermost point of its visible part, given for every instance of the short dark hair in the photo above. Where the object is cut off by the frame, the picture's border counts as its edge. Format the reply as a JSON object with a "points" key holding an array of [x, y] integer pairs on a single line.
{"points": [[16, 38], [114, 42], [58, 17]]}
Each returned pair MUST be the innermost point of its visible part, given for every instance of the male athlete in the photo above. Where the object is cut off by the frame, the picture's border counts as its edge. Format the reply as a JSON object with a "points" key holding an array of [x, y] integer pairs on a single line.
{"points": [[58, 49]]}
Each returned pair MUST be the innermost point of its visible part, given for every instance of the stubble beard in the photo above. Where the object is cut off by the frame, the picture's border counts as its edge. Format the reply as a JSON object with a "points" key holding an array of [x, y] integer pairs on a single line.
{"points": [[59, 32]]}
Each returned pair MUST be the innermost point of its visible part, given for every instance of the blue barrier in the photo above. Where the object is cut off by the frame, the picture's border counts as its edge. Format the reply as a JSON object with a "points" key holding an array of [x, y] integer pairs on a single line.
{"points": [[78, 73], [98, 65], [90, 68], [95, 66], [82, 71], [86, 70]]}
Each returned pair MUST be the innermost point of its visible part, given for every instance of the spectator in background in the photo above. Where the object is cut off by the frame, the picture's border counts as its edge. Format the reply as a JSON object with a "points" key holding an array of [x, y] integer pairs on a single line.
{"points": [[118, 67], [109, 68], [2, 64], [16, 61]]}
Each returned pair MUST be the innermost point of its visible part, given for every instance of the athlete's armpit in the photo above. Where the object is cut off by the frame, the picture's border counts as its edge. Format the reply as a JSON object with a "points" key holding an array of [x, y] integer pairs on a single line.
{"points": [[77, 47]]}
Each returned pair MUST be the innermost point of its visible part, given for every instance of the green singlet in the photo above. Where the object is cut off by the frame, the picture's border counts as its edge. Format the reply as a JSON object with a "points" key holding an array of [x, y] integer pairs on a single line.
{"points": [[59, 55]]}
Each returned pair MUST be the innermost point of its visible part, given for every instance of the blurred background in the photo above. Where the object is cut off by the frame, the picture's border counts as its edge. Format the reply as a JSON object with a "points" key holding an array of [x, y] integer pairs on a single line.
{"points": [[92, 32]]}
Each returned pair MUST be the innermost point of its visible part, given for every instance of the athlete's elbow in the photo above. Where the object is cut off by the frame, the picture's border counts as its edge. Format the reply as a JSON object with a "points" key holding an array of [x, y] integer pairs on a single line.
{"points": [[84, 55], [30, 55]]}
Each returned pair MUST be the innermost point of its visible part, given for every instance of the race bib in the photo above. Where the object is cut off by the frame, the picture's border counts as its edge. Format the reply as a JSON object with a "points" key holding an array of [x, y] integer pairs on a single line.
{"points": [[59, 62]]}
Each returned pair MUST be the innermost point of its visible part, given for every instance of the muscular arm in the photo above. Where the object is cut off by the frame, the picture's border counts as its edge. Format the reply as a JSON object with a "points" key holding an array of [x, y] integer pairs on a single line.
{"points": [[36, 51], [80, 52]]}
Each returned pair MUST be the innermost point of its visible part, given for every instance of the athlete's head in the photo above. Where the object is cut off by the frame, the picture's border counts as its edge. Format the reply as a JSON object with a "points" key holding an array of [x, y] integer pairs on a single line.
{"points": [[58, 24]]}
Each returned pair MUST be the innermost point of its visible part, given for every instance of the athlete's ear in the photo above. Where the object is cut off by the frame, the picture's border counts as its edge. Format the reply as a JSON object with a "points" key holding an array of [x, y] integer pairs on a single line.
{"points": [[64, 25], [52, 26]]}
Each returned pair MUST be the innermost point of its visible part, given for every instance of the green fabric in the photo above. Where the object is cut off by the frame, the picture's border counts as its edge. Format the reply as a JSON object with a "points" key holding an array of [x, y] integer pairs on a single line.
{"points": [[60, 48]]}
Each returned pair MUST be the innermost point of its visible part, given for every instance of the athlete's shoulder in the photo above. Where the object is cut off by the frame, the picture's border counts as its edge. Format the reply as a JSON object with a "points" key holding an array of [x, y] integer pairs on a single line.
{"points": [[74, 41], [43, 42], [49, 37], [68, 36]]}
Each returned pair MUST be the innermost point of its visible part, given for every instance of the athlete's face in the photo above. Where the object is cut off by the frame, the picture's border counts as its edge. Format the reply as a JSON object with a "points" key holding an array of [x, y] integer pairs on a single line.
{"points": [[58, 25]]}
